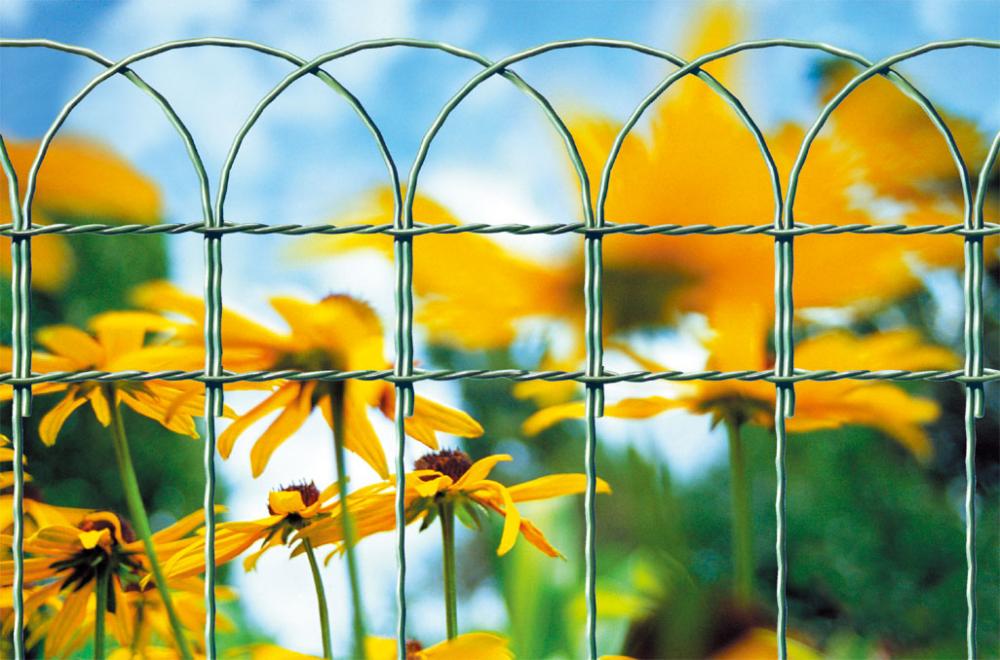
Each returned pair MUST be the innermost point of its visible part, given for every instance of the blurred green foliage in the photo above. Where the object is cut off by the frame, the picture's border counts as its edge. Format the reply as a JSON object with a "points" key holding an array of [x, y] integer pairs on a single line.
{"points": [[80, 469], [876, 540]]}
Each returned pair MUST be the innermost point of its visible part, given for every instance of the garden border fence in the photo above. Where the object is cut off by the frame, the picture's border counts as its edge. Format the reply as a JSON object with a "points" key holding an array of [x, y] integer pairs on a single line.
{"points": [[403, 228]]}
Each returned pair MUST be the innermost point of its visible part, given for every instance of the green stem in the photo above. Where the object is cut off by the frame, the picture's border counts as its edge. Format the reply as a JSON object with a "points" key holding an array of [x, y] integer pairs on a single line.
{"points": [[742, 540], [358, 614], [324, 614], [446, 512], [137, 511], [103, 576]]}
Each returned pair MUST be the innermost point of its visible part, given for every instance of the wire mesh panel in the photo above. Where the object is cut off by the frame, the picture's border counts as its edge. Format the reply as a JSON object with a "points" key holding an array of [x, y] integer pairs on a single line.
{"points": [[595, 226]]}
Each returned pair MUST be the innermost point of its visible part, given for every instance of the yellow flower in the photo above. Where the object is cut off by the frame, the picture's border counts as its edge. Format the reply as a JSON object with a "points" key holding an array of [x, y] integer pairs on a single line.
{"points": [[117, 344], [450, 476], [78, 180], [473, 293], [763, 643], [292, 509], [741, 343], [338, 332], [152, 625], [479, 645], [265, 652], [61, 570]]}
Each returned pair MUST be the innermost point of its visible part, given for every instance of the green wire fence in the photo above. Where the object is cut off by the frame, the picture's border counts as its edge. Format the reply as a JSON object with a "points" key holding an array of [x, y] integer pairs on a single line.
{"points": [[403, 228]]}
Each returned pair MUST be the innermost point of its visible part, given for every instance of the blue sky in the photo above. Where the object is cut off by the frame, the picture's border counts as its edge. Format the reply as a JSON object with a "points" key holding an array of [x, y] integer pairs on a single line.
{"points": [[497, 161]]}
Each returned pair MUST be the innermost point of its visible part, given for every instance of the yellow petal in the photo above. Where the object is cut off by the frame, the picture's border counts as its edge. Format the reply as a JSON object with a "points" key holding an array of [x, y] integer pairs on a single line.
{"points": [[479, 645], [68, 620], [52, 261], [54, 419], [65, 340], [480, 470], [124, 332], [287, 423], [534, 536], [512, 517], [359, 436], [638, 408], [99, 404], [287, 393], [84, 179], [285, 501], [445, 419], [554, 485], [547, 417], [90, 540]]}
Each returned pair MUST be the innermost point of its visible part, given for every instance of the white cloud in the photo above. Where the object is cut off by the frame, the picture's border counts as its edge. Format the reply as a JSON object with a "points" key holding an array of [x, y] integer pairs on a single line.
{"points": [[12, 13]]}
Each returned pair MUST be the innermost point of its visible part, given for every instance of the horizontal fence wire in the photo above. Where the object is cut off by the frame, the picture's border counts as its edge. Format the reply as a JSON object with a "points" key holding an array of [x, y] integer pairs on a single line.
{"points": [[403, 229], [419, 229], [519, 375]]}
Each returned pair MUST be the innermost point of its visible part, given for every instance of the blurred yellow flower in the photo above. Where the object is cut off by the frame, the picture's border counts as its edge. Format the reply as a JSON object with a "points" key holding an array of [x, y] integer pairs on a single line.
{"points": [[80, 180], [338, 332], [265, 652], [479, 645], [473, 292], [740, 342], [763, 643], [117, 343], [450, 476]]}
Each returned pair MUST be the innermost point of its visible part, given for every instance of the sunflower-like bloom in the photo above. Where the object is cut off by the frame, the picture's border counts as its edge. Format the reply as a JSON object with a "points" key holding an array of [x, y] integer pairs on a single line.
{"points": [[79, 179], [480, 645], [62, 569], [450, 476], [674, 175], [740, 345], [117, 343], [338, 332], [763, 643], [292, 509]]}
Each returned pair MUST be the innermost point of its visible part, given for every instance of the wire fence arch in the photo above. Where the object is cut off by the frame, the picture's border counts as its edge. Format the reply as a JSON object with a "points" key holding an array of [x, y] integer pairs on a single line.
{"points": [[403, 228]]}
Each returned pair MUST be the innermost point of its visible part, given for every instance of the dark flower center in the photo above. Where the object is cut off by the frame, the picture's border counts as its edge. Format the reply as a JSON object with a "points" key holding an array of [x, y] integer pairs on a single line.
{"points": [[308, 491], [413, 647], [128, 534], [452, 462]]}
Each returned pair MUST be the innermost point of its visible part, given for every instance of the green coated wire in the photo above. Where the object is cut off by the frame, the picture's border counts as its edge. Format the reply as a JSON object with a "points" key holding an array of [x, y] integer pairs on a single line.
{"points": [[974, 396], [21, 401]]}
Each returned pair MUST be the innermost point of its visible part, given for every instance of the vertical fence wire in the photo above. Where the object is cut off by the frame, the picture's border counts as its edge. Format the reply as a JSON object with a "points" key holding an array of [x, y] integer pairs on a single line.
{"points": [[213, 410], [21, 403], [594, 409], [975, 405], [403, 264]]}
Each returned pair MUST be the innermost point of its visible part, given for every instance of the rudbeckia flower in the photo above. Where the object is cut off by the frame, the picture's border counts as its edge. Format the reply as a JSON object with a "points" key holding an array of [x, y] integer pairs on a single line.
{"points": [[116, 343], [739, 345], [451, 477], [338, 332], [291, 508], [674, 175], [80, 179], [64, 565], [763, 643], [480, 645]]}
